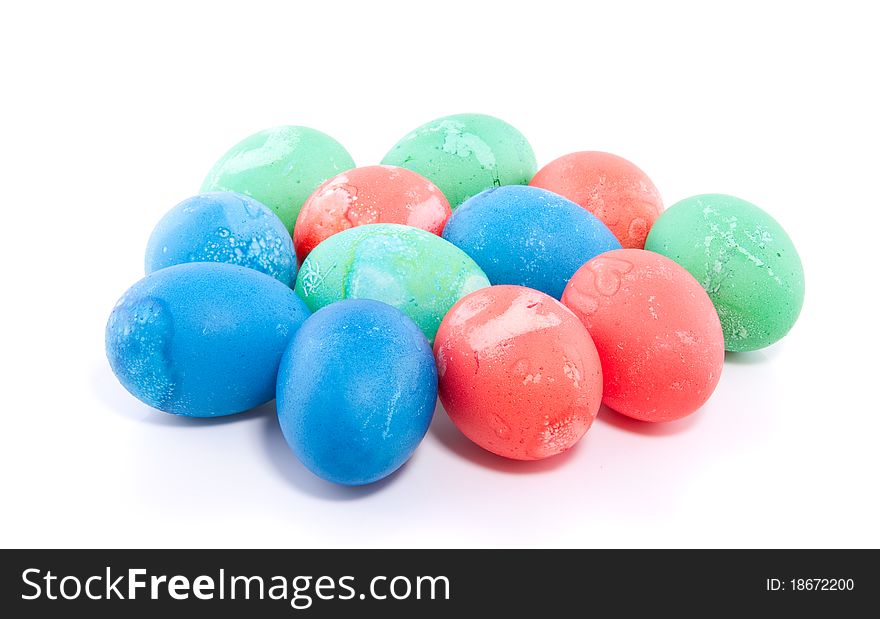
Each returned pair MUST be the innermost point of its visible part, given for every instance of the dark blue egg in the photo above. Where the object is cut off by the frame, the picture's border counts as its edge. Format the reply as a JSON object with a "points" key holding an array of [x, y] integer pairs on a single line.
{"points": [[356, 391], [527, 236], [202, 339], [223, 227]]}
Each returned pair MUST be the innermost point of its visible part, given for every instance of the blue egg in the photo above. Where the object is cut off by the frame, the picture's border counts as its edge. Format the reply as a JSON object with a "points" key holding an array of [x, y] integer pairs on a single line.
{"points": [[356, 391], [202, 339], [528, 236], [223, 227]]}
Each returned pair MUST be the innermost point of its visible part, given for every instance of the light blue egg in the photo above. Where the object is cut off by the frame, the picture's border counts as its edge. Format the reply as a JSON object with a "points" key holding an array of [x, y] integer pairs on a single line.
{"points": [[526, 236], [356, 391], [202, 339], [223, 227]]}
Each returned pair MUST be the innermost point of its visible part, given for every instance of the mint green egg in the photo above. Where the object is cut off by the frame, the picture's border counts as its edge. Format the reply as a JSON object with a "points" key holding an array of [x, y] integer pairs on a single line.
{"points": [[279, 167], [465, 154], [415, 271], [743, 258]]}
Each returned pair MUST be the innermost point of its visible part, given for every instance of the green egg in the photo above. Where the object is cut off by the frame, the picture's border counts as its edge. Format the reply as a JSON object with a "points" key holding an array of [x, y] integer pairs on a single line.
{"points": [[279, 167], [743, 259], [415, 271], [465, 154]]}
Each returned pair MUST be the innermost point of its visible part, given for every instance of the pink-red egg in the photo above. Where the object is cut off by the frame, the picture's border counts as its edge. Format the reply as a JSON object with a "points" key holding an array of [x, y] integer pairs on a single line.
{"points": [[518, 373], [369, 195], [610, 187], [656, 330]]}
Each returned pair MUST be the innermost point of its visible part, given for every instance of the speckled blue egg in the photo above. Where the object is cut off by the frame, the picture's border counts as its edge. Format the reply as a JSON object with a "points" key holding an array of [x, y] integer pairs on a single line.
{"points": [[202, 339], [356, 391], [527, 236], [223, 227]]}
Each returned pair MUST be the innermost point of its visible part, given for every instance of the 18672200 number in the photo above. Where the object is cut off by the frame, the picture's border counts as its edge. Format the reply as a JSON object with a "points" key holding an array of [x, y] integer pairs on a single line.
{"points": [[821, 584], [811, 584]]}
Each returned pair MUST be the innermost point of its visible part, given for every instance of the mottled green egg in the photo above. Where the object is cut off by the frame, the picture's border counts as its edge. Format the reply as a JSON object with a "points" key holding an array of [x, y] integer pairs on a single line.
{"points": [[415, 271], [465, 154], [279, 167], [744, 260]]}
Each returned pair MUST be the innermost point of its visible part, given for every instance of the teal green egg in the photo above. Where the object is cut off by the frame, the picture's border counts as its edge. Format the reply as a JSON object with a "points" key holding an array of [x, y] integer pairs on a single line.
{"points": [[465, 154], [279, 167], [415, 271], [743, 258]]}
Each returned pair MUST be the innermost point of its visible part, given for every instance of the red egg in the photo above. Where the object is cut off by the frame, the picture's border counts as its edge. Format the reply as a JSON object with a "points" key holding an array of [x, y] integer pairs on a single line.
{"points": [[370, 195], [610, 187], [518, 373], [656, 330]]}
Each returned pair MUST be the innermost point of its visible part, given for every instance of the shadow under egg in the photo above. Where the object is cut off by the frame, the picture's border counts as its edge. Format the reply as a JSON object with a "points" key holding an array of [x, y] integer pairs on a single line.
{"points": [[449, 436], [298, 476]]}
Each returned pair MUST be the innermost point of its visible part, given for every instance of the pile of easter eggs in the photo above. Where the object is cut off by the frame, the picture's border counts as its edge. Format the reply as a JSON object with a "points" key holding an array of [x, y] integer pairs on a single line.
{"points": [[524, 298]]}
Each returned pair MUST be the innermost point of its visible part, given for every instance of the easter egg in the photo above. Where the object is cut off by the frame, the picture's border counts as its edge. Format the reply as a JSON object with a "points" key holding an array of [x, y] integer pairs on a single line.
{"points": [[279, 167], [202, 339], [518, 373], [657, 333], [369, 195], [610, 187], [356, 391], [415, 271], [464, 154], [527, 236], [743, 259], [223, 227]]}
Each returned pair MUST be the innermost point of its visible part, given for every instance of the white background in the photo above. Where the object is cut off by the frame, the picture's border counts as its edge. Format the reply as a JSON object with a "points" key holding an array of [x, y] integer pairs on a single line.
{"points": [[111, 115]]}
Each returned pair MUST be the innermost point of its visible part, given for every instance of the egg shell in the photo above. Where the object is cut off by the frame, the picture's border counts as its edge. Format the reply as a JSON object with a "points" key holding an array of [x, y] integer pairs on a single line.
{"points": [[202, 339], [464, 154], [519, 374], [279, 167], [743, 258], [527, 236], [223, 227], [657, 333], [413, 270], [610, 187], [356, 391], [369, 195]]}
